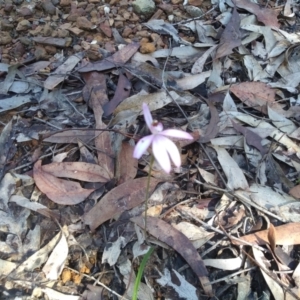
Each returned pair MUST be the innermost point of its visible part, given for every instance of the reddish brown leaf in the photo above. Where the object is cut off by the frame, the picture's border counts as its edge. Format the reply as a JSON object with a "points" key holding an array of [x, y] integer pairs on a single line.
{"points": [[122, 92], [116, 60], [58, 190], [231, 36], [263, 14], [105, 27], [121, 198], [257, 95], [126, 165], [178, 241], [77, 170], [212, 128], [287, 234], [95, 92], [295, 191], [251, 137], [272, 236]]}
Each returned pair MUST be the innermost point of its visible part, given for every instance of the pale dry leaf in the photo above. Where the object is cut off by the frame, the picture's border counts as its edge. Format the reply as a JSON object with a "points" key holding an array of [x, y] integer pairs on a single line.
{"points": [[178, 283], [57, 258], [190, 82], [275, 288], [197, 235], [200, 62], [280, 122], [37, 259], [54, 295], [228, 264], [60, 74], [235, 176], [112, 251], [13, 102]]}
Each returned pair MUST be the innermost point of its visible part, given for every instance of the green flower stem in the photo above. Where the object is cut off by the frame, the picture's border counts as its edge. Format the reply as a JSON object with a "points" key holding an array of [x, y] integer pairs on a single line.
{"points": [[148, 254], [140, 273], [147, 188]]}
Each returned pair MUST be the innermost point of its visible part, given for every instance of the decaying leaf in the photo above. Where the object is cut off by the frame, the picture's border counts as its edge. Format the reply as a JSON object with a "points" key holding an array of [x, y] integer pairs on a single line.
{"points": [[231, 36], [265, 15], [257, 95], [179, 242], [251, 137], [58, 190], [122, 92], [123, 197]]}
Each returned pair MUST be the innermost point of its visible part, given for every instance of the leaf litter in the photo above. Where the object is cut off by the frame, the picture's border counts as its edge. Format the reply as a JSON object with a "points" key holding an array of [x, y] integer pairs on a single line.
{"points": [[72, 195]]}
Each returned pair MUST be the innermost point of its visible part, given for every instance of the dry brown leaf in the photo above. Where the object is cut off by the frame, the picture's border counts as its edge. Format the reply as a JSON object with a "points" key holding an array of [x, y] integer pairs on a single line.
{"points": [[264, 15], [179, 242], [231, 36], [77, 170], [121, 198], [212, 128], [127, 165], [295, 191], [95, 92], [105, 27], [287, 234], [70, 136], [122, 92], [257, 95], [272, 236], [58, 190]]}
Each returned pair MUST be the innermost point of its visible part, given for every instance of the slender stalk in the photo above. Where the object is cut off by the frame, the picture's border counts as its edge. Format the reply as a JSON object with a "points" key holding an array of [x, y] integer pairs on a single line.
{"points": [[147, 255], [147, 188], [140, 273]]}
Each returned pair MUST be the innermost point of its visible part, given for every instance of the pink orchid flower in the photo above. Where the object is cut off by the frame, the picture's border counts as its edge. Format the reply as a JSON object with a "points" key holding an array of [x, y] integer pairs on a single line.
{"points": [[162, 147]]}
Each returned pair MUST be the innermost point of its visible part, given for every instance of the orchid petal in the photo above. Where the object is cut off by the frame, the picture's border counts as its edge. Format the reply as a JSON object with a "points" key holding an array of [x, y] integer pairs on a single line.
{"points": [[172, 151], [160, 152], [142, 146], [147, 115], [175, 133]]}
